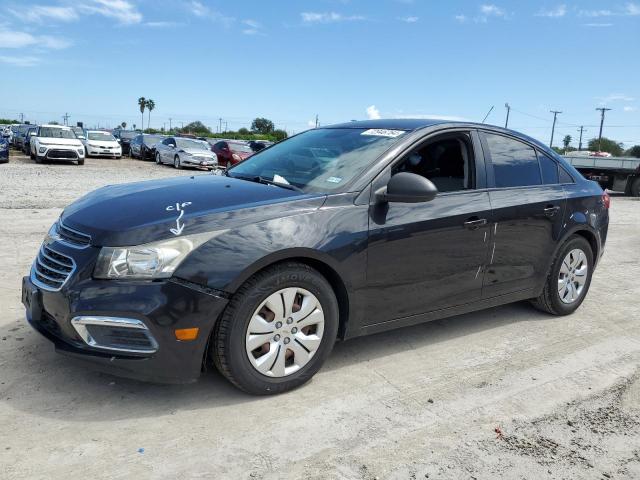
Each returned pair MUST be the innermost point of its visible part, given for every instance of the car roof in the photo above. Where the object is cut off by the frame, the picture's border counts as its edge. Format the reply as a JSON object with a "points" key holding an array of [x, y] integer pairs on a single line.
{"points": [[391, 123], [51, 125]]}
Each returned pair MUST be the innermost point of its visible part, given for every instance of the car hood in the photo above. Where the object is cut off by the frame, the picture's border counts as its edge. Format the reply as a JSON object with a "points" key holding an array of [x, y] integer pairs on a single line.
{"points": [[72, 142], [142, 212], [197, 152], [103, 143]]}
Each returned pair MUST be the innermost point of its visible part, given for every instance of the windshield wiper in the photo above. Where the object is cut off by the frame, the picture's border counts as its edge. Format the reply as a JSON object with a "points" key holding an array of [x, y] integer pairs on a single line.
{"points": [[266, 181]]}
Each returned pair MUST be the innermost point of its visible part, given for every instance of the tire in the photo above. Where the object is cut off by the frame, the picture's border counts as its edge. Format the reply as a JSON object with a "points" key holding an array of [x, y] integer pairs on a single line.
{"points": [[551, 300], [32, 155], [635, 188], [39, 159], [81, 161], [158, 161], [176, 162], [229, 349]]}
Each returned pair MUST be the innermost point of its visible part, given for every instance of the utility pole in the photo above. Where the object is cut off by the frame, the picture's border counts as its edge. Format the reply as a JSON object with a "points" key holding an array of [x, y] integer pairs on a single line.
{"points": [[506, 123], [169, 123], [317, 122], [22, 118], [66, 118], [581, 129], [220, 126], [602, 110], [553, 128], [226, 126]]}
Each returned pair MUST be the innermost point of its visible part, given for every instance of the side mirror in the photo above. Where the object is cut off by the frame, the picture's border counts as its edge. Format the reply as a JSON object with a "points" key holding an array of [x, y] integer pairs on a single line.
{"points": [[405, 187]]}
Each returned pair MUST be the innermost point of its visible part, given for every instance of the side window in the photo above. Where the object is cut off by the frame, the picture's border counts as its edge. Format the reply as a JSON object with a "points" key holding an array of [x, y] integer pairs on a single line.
{"points": [[549, 169], [565, 177], [514, 163], [446, 160]]}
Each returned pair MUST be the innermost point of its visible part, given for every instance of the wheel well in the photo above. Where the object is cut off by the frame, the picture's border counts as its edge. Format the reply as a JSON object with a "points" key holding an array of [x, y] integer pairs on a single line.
{"points": [[338, 286], [591, 238]]}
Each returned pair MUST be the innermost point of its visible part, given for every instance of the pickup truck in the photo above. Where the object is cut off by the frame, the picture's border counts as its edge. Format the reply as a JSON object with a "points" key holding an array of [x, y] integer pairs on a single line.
{"points": [[620, 174]]}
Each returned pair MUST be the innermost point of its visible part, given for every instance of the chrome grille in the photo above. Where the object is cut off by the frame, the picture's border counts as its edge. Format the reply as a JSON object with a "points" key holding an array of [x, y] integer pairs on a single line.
{"points": [[51, 269], [73, 237]]}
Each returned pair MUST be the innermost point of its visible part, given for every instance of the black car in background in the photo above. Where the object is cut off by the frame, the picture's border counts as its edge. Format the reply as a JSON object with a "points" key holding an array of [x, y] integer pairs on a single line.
{"points": [[142, 146], [26, 142], [125, 137], [334, 233], [4, 150]]}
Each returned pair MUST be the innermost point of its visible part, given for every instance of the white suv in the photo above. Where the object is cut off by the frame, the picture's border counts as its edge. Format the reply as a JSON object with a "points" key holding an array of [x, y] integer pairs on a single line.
{"points": [[55, 142]]}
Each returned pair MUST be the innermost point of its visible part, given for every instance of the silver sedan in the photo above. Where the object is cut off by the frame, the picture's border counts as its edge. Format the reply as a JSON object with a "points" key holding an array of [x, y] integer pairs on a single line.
{"points": [[185, 152]]}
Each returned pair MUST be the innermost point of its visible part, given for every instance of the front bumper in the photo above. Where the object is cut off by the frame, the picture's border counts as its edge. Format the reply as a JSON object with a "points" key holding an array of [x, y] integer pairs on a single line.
{"points": [[162, 306], [199, 162]]}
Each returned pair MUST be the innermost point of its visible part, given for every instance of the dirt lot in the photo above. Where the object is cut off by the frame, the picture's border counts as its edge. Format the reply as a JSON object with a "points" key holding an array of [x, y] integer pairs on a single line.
{"points": [[422, 402]]}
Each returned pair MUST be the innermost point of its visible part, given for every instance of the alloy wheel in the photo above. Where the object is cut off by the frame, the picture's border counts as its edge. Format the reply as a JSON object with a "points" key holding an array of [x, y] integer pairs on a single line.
{"points": [[573, 276], [285, 332]]}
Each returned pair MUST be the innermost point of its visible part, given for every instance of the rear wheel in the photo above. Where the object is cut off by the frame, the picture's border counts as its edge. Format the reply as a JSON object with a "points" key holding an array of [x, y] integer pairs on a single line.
{"points": [[277, 330], [158, 161], [569, 279], [176, 162]]}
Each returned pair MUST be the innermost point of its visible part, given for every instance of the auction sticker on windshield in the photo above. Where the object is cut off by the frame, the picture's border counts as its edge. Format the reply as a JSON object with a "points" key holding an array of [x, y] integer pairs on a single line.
{"points": [[380, 132]]}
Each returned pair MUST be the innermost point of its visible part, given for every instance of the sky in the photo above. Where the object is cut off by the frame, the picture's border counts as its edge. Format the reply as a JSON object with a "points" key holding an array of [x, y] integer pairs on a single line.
{"points": [[291, 60]]}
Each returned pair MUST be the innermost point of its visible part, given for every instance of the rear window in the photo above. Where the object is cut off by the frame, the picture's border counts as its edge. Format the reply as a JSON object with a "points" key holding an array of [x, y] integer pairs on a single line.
{"points": [[549, 169], [515, 164]]}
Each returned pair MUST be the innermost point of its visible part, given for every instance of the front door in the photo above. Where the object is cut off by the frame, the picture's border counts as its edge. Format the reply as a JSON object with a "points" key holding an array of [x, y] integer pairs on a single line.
{"points": [[428, 256]]}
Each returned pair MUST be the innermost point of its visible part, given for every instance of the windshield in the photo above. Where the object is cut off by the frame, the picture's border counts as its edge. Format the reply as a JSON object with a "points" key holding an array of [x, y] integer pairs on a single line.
{"points": [[195, 144], [124, 134], [101, 136], [53, 132], [319, 160], [240, 147], [151, 139]]}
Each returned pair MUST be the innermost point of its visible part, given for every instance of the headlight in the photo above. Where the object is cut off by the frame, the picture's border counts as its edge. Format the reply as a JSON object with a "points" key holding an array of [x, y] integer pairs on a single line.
{"points": [[149, 261], [42, 149], [81, 151], [94, 146]]}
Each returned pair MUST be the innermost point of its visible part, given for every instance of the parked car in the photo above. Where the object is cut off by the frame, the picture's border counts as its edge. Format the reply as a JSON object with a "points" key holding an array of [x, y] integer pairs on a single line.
{"points": [[185, 152], [19, 138], [4, 150], [257, 145], [125, 137], [230, 153], [334, 233], [28, 138], [79, 131], [7, 134], [101, 144], [56, 143], [142, 146]]}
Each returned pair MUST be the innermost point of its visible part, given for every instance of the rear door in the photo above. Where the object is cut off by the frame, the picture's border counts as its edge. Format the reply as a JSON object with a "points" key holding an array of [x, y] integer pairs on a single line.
{"points": [[528, 209]]}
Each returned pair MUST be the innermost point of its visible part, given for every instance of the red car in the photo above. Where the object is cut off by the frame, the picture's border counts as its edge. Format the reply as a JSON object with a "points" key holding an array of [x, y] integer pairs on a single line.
{"points": [[229, 153]]}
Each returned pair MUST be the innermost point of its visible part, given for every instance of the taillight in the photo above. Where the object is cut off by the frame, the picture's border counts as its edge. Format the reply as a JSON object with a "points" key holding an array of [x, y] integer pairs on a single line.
{"points": [[606, 199]]}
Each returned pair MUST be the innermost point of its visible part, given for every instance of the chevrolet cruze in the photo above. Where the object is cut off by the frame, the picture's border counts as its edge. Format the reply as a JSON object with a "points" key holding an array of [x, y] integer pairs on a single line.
{"points": [[337, 232]]}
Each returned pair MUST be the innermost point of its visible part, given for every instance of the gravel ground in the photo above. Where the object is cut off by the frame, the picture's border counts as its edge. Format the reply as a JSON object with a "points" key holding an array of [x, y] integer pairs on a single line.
{"points": [[504, 393]]}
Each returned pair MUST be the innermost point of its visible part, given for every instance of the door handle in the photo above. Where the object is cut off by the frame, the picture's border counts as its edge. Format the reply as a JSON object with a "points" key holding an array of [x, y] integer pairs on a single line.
{"points": [[474, 223], [550, 210]]}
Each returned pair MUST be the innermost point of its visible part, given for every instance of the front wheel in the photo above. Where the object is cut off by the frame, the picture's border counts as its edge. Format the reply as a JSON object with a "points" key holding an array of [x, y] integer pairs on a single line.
{"points": [[277, 331], [176, 162], [569, 279], [635, 188], [81, 161], [158, 161]]}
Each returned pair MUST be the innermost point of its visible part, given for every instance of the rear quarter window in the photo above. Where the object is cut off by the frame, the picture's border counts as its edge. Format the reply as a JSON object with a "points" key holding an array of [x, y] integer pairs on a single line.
{"points": [[549, 169]]}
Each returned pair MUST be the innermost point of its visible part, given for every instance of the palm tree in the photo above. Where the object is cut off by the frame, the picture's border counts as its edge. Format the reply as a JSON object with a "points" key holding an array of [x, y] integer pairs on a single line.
{"points": [[142, 103], [566, 141], [123, 124], [150, 106]]}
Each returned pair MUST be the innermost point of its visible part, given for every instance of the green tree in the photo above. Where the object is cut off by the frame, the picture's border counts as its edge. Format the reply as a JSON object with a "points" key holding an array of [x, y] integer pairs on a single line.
{"points": [[6, 121], [607, 145], [566, 141], [142, 103], [262, 125], [123, 125], [279, 135], [633, 151], [243, 131], [196, 127], [150, 106]]}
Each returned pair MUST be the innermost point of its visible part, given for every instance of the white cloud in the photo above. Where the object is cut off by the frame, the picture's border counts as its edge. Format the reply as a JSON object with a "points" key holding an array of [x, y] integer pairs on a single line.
{"points": [[615, 97], [38, 13], [629, 108], [486, 12], [16, 39], [461, 18], [596, 13], [632, 9], [201, 10], [161, 24], [20, 61], [596, 25], [252, 27], [328, 17], [121, 10], [373, 113], [409, 19], [556, 12]]}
